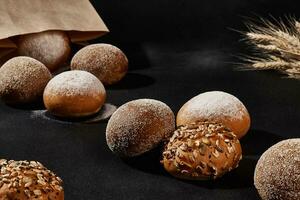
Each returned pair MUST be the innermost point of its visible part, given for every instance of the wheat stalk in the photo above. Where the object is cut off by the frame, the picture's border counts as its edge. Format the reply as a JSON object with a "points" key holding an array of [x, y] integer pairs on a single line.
{"points": [[278, 45]]}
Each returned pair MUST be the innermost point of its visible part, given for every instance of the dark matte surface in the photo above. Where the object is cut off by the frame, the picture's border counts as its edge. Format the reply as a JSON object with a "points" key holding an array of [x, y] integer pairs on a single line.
{"points": [[176, 49]]}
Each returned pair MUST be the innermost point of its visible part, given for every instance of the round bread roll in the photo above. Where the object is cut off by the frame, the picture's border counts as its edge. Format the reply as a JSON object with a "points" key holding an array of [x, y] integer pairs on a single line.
{"points": [[22, 80], [138, 126], [29, 180], [201, 151], [50, 47], [219, 107], [74, 94], [277, 173], [105, 61]]}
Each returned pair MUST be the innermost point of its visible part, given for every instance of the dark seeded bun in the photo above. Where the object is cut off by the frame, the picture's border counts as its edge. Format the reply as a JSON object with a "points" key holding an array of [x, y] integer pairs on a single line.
{"points": [[277, 173], [219, 107], [201, 151], [105, 61], [74, 94], [138, 126], [28, 180], [52, 48], [22, 80]]}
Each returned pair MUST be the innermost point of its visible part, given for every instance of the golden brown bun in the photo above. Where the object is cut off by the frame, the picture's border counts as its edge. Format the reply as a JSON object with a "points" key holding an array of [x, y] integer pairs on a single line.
{"points": [[276, 174], [105, 61], [52, 48], [138, 126], [201, 151], [22, 80], [28, 180], [219, 107], [74, 94]]}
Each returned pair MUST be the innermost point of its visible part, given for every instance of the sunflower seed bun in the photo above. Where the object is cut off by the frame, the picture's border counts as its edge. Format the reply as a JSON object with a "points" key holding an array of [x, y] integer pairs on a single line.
{"points": [[105, 61], [276, 174], [22, 80], [219, 107], [74, 94], [28, 180], [52, 48], [201, 151], [138, 126]]}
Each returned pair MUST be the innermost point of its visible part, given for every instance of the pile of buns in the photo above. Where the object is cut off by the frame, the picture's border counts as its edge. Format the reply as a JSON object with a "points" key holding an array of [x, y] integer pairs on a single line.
{"points": [[200, 143], [205, 144], [76, 93], [80, 92]]}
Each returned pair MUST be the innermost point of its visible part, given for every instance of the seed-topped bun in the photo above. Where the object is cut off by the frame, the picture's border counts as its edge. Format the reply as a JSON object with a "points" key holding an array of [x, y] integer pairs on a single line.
{"points": [[138, 126], [74, 94], [105, 61], [201, 151], [277, 173], [22, 80], [219, 107], [28, 180], [49, 47]]}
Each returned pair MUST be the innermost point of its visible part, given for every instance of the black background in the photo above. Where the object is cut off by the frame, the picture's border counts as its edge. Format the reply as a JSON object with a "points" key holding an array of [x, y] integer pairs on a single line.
{"points": [[176, 49]]}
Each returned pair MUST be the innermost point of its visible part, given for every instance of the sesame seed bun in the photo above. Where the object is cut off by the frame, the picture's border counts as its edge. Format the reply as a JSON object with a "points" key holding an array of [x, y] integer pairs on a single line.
{"points": [[28, 180], [201, 151]]}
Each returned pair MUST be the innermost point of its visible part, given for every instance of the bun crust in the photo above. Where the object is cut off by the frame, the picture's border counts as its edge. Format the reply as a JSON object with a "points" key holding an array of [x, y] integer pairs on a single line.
{"points": [[74, 94], [105, 61], [138, 126], [201, 151], [276, 174], [52, 48], [22, 80], [28, 180], [219, 107]]}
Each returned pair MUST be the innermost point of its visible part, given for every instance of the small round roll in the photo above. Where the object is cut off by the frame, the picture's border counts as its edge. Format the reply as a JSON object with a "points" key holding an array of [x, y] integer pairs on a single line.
{"points": [[138, 126], [29, 180], [219, 107], [105, 61], [277, 173], [74, 94], [52, 48], [201, 151], [22, 80]]}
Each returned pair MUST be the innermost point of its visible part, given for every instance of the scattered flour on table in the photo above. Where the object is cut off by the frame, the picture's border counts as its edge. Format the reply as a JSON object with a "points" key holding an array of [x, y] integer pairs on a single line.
{"points": [[106, 111]]}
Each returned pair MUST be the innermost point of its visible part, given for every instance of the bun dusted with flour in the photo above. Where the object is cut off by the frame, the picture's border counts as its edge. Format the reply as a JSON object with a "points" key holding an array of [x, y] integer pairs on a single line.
{"points": [[22, 80], [28, 180], [138, 126], [276, 174], [105, 61], [52, 48], [74, 94], [219, 107], [201, 151]]}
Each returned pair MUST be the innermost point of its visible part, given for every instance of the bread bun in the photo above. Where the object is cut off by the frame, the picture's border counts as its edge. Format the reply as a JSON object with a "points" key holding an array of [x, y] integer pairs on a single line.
{"points": [[29, 180], [74, 94], [276, 174], [22, 80], [49, 47], [201, 151], [105, 61], [219, 107], [138, 126]]}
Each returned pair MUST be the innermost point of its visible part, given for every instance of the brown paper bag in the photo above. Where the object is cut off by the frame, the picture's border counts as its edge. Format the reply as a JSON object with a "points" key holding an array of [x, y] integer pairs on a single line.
{"points": [[18, 17]]}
